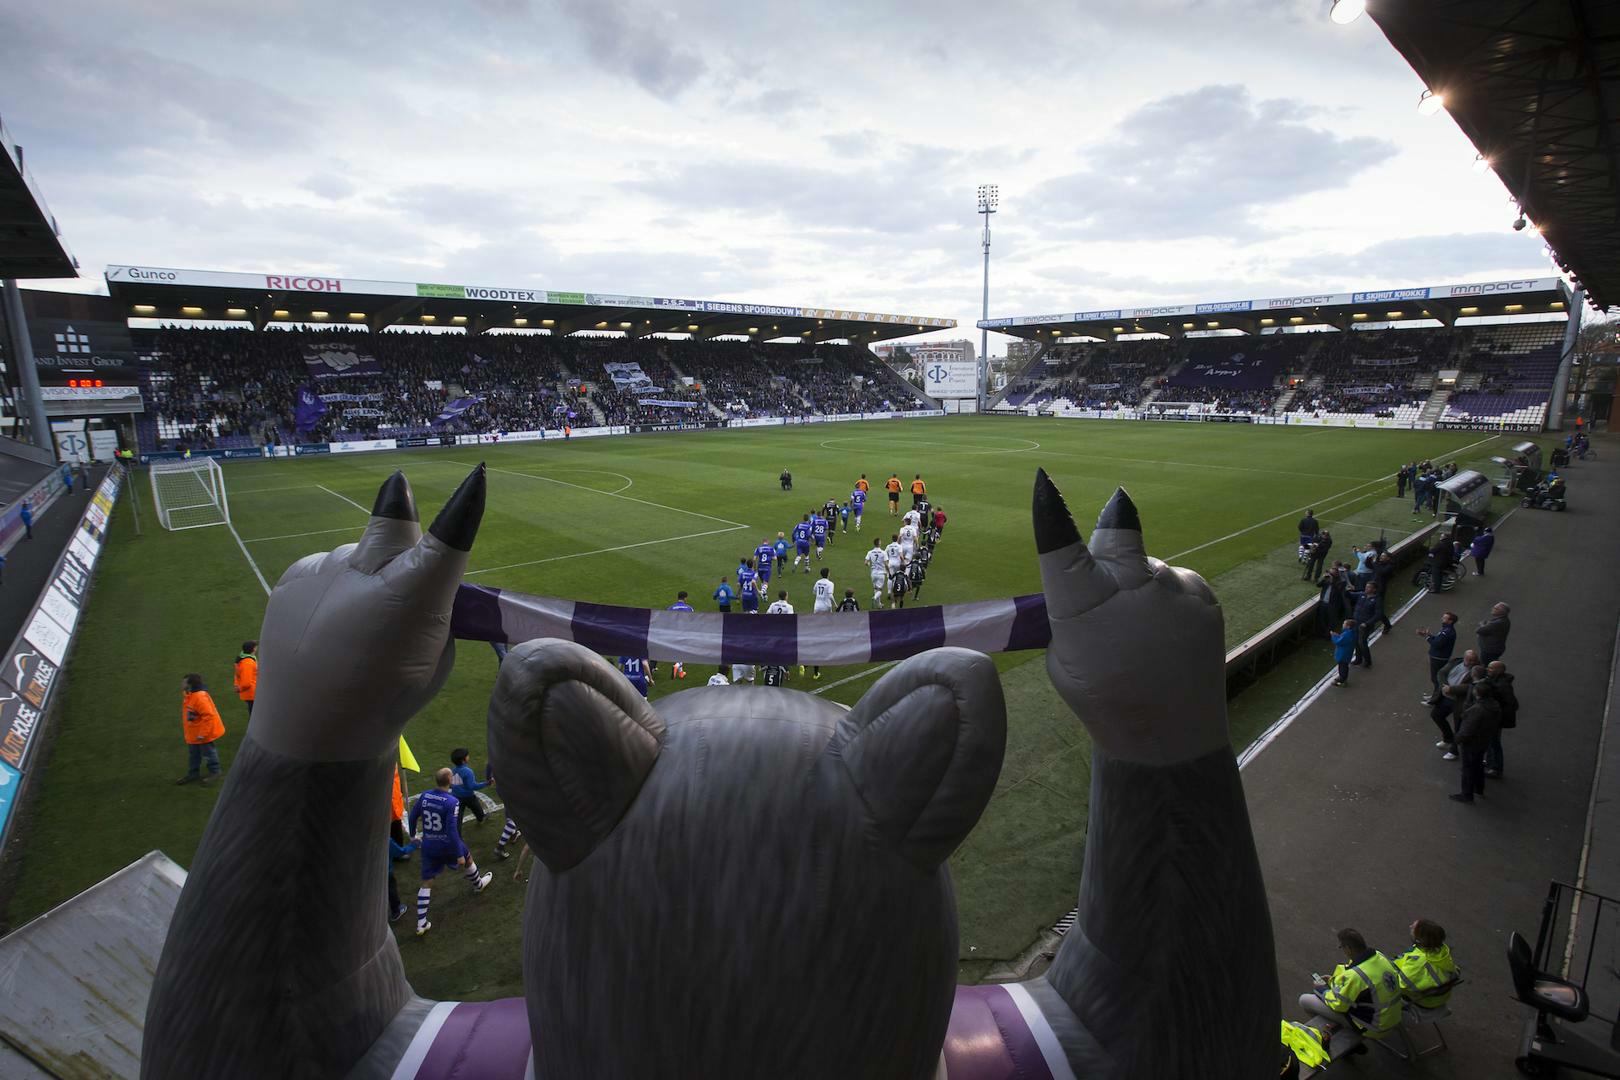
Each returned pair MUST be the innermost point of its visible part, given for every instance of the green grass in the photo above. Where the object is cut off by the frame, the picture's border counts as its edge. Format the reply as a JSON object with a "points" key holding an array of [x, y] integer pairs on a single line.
{"points": [[682, 508]]}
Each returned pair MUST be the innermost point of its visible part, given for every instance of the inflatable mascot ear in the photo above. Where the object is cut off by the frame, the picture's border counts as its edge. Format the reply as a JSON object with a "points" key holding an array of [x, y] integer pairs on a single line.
{"points": [[750, 880], [571, 741], [923, 750]]}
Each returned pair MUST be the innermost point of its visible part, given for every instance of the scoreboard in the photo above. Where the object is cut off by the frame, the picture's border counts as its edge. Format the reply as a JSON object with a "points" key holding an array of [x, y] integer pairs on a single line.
{"points": [[89, 392]]}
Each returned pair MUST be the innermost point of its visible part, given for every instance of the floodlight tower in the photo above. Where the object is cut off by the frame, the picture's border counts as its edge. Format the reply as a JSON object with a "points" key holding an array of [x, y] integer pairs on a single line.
{"points": [[989, 198]]}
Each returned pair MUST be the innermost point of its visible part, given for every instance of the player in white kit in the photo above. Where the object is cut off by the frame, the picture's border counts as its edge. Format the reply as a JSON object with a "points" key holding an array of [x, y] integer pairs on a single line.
{"points": [[875, 565], [908, 540]]}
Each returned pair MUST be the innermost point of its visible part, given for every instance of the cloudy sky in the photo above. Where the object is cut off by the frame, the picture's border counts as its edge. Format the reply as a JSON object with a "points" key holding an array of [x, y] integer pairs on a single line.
{"points": [[1146, 150]]}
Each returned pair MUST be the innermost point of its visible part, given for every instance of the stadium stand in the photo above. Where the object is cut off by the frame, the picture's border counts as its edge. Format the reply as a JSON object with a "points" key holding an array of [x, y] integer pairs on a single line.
{"points": [[236, 389], [1505, 372]]}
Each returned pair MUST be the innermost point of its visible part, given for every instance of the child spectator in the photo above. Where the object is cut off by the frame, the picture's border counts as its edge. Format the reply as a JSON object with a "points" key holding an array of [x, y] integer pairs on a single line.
{"points": [[202, 726], [464, 785], [396, 852], [1344, 648]]}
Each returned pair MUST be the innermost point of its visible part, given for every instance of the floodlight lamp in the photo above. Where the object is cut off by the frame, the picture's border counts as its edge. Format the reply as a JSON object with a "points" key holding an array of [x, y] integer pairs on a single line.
{"points": [[989, 196], [1519, 222], [1430, 103], [1347, 11]]}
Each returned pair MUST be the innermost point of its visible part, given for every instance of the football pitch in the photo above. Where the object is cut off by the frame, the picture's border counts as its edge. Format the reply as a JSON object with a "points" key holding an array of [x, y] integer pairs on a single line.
{"points": [[631, 521]]}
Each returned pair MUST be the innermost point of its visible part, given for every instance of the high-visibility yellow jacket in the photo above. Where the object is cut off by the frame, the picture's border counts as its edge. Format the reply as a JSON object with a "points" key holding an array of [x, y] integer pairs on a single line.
{"points": [[1306, 1042], [1369, 990], [1424, 969]]}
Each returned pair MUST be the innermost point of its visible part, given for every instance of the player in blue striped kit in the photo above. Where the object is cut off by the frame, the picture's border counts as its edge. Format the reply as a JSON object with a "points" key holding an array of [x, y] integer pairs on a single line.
{"points": [[857, 503], [801, 543], [435, 813]]}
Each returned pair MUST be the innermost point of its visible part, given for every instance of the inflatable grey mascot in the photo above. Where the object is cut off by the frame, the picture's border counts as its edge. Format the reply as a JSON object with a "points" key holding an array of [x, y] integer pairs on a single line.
{"points": [[742, 882]]}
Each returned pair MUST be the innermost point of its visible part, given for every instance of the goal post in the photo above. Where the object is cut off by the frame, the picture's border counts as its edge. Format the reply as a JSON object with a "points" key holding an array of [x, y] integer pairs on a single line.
{"points": [[189, 494]]}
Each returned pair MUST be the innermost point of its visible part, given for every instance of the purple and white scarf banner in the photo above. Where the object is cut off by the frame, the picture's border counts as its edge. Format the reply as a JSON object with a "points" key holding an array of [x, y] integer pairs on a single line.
{"points": [[989, 626]]}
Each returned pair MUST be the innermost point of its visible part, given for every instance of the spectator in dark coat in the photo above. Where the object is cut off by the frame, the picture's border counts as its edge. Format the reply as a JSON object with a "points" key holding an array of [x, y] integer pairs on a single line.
{"points": [[1308, 527], [1492, 634], [1319, 554], [1480, 548], [1402, 475], [1333, 605], [1366, 617], [1478, 722], [1502, 683], [1383, 572], [1442, 643]]}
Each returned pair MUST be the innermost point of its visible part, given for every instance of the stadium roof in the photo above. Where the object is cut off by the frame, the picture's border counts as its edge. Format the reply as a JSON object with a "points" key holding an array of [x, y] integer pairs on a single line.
{"points": [[261, 299], [30, 244], [1447, 303], [1536, 87]]}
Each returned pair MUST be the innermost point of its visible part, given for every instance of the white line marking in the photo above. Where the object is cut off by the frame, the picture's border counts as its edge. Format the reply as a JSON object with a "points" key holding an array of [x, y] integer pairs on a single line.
{"points": [[628, 483], [345, 498], [828, 444], [869, 672], [1329, 499], [599, 491], [256, 572], [294, 536], [603, 551], [257, 491]]}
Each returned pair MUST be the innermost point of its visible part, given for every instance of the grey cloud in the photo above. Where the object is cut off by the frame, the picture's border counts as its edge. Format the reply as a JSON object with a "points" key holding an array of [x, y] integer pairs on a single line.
{"points": [[1433, 259], [779, 102], [904, 194], [637, 44], [853, 143], [329, 186], [1203, 163], [68, 82]]}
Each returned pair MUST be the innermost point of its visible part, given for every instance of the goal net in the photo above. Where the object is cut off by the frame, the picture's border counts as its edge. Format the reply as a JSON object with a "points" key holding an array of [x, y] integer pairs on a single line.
{"points": [[189, 494]]}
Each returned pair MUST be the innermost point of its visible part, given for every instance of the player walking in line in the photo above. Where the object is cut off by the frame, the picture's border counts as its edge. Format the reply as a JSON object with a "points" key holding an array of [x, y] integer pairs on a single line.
{"points": [[764, 562], [781, 549], [862, 486], [893, 486], [875, 566], [772, 675], [843, 516], [908, 540], [780, 605], [894, 555], [442, 846], [919, 490], [824, 590], [719, 678], [745, 571], [636, 671], [801, 544], [749, 588], [857, 503], [818, 533], [464, 785], [677, 669], [830, 511], [916, 572], [898, 582], [723, 596]]}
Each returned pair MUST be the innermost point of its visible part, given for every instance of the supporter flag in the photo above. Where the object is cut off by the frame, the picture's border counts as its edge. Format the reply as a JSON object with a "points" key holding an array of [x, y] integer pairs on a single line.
{"points": [[455, 408], [308, 409]]}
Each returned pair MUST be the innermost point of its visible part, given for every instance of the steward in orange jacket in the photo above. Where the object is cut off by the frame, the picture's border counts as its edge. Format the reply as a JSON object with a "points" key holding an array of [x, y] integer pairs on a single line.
{"points": [[247, 673], [200, 721]]}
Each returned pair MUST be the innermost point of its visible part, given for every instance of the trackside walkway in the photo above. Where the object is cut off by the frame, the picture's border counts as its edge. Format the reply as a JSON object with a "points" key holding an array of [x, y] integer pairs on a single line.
{"points": [[29, 562], [1349, 803]]}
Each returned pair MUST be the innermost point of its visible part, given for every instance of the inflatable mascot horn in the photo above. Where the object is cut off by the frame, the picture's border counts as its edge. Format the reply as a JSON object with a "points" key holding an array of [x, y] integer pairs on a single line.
{"points": [[741, 882]]}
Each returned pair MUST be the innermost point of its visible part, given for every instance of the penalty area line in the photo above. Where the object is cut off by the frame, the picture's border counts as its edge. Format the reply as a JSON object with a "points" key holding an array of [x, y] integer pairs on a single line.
{"points": [[345, 498], [243, 547]]}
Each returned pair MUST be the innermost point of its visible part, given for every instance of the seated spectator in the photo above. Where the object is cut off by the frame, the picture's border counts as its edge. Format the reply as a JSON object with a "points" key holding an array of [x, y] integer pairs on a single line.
{"points": [[1427, 969], [1362, 994]]}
